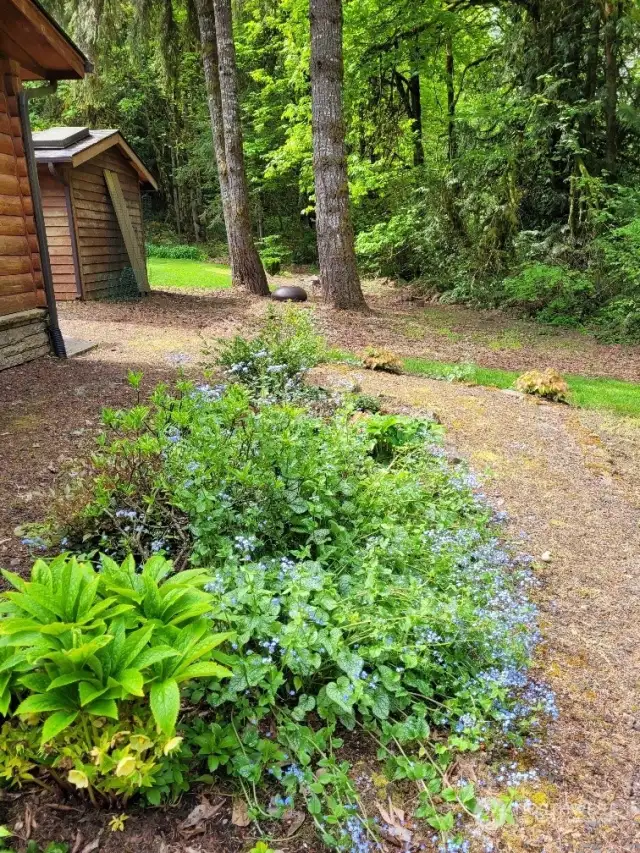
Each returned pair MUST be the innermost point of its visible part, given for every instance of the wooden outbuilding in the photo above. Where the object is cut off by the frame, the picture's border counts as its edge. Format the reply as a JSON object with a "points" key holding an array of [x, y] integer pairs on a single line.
{"points": [[32, 47], [91, 182]]}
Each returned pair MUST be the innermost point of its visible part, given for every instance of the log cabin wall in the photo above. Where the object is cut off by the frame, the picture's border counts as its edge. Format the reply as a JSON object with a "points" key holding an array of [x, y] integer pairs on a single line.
{"points": [[101, 249], [23, 323], [58, 218]]}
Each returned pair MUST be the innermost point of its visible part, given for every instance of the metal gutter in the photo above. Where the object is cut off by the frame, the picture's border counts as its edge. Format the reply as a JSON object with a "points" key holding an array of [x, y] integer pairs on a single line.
{"points": [[24, 97]]}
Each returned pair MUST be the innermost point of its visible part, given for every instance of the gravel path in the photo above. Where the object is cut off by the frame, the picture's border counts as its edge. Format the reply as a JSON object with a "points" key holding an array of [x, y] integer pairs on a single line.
{"points": [[556, 473]]}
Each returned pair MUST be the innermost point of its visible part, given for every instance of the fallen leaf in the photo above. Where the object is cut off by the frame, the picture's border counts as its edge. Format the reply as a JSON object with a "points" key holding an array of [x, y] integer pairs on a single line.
{"points": [[201, 813], [240, 813], [295, 820], [394, 831], [92, 845], [77, 842]]}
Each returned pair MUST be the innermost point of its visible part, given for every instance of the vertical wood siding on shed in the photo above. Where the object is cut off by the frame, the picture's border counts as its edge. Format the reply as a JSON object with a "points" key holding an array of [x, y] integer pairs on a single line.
{"points": [[103, 255], [59, 236], [21, 285]]}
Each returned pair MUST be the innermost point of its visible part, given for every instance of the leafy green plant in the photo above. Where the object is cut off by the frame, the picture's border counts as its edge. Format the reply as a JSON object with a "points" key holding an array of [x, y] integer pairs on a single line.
{"points": [[273, 363], [82, 647], [366, 403], [553, 294], [273, 253], [361, 578], [177, 252], [548, 384], [377, 358]]}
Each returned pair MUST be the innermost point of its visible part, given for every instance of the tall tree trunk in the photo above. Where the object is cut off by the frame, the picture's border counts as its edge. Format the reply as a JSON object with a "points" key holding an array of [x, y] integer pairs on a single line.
{"points": [[591, 83], [610, 21], [451, 102], [416, 118], [246, 266], [209, 47], [409, 91], [336, 252]]}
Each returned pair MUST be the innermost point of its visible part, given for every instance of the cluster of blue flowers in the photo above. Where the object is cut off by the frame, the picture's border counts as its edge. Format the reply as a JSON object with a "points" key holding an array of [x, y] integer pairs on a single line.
{"points": [[35, 543], [209, 393]]}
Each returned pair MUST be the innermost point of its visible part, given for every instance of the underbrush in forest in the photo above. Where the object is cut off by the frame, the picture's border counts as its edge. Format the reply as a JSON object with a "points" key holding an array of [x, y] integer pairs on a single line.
{"points": [[350, 578]]}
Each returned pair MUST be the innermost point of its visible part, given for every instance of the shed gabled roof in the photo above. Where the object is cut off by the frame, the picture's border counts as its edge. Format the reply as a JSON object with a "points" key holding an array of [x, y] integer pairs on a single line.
{"points": [[94, 143], [29, 35]]}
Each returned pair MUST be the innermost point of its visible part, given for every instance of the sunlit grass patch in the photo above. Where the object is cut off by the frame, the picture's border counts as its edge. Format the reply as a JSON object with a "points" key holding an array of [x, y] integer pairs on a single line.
{"points": [[168, 272], [587, 392]]}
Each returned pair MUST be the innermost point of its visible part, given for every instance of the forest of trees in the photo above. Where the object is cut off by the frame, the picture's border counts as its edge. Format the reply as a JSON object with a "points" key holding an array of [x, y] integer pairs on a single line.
{"points": [[492, 146]]}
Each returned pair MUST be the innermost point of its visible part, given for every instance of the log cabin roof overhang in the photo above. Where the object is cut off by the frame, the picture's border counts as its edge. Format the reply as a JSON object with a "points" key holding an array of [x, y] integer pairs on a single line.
{"points": [[30, 36]]}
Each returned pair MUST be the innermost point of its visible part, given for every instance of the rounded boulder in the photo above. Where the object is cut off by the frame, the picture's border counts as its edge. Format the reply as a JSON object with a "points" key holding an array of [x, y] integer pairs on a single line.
{"points": [[290, 293]]}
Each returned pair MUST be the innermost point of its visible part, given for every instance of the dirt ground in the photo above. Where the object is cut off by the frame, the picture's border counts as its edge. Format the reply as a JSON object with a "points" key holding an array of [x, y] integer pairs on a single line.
{"points": [[179, 321], [570, 481]]}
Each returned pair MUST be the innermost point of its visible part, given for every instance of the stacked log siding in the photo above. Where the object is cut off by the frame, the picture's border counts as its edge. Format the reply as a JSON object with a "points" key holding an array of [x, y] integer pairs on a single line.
{"points": [[21, 287]]}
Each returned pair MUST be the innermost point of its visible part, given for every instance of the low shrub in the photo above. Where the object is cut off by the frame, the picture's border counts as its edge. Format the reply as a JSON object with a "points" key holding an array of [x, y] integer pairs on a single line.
{"points": [[178, 253], [553, 294], [273, 363], [360, 575], [378, 358], [619, 321], [273, 253], [366, 403], [548, 384]]}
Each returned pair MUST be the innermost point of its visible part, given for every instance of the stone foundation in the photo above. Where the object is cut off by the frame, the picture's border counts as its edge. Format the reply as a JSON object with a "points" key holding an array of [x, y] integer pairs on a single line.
{"points": [[23, 337]]}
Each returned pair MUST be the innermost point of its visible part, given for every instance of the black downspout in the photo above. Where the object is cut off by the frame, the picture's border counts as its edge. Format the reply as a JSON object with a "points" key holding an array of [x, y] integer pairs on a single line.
{"points": [[32, 170]]}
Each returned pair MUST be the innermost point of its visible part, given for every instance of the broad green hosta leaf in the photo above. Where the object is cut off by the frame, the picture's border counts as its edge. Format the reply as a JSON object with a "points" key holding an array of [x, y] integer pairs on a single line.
{"points": [[207, 669], [82, 643], [68, 678], [149, 657], [89, 692], [165, 704], [132, 681], [103, 708]]}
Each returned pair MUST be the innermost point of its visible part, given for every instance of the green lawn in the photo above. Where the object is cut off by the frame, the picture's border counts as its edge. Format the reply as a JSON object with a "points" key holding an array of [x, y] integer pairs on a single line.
{"points": [[166, 272], [617, 396]]}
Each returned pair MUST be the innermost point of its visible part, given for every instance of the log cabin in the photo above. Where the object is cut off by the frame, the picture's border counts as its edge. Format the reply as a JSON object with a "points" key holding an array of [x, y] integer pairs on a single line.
{"points": [[91, 182], [32, 47]]}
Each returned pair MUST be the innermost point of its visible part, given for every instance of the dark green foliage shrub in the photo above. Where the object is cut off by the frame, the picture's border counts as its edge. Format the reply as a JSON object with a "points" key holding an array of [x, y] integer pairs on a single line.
{"points": [[355, 567], [357, 570], [366, 403], [179, 252], [80, 648]]}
